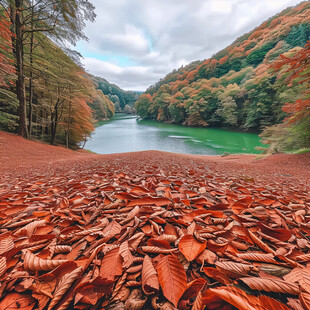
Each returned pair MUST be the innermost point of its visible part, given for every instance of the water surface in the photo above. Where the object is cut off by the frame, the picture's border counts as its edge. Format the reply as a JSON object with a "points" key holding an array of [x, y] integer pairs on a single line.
{"points": [[128, 134]]}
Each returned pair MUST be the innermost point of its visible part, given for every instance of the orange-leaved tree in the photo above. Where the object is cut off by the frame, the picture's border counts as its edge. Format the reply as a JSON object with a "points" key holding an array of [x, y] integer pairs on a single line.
{"points": [[298, 67], [6, 64], [294, 132], [8, 101]]}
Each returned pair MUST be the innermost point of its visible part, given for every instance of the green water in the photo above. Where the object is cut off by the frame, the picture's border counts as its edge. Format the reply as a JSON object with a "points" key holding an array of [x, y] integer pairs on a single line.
{"points": [[127, 134]]}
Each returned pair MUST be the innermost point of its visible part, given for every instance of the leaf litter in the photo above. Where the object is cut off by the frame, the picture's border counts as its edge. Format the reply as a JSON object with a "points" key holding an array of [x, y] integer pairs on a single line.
{"points": [[153, 238]]}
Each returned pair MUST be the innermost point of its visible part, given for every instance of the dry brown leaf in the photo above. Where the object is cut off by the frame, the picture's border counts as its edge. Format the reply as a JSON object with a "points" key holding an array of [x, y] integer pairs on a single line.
{"points": [[63, 285], [111, 265], [172, 278], [235, 270], [190, 247], [6, 243], [35, 263], [126, 254], [3, 265], [150, 282], [271, 285], [29, 229], [13, 301]]}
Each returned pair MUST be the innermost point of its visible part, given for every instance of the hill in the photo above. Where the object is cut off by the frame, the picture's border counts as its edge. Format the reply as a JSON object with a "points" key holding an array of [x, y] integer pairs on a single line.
{"points": [[123, 100], [237, 87]]}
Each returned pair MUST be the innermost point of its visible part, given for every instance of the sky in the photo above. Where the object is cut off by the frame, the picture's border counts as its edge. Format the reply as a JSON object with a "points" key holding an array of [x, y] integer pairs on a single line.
{"points": [[134, 43]]}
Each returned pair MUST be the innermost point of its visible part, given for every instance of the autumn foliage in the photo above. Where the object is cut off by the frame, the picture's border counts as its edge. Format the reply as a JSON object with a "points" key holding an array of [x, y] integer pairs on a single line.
{"points": [[298, 69], [294, 132], [6, 64], [237, 86]]}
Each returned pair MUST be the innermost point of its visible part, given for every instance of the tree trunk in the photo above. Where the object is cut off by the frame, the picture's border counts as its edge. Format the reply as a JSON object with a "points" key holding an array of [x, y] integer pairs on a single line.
{"points": [[30, 111], [54, 121], [68, 126], [20, 85]]}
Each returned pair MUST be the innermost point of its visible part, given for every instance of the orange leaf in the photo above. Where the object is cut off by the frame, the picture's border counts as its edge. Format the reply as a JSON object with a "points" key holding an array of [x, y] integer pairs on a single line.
{"points": [[35, 263], [6, 243], [217, 275], [63, 285], [158, 201], [13, 301], [234, 296], [193, 288], [111, 265], [301, 276], [3, 265], [190, 247], [235, 270], [271, 285], [172, 278], [149, 277], [30, 228], [126, 254], [278, 233], [112, 230]]}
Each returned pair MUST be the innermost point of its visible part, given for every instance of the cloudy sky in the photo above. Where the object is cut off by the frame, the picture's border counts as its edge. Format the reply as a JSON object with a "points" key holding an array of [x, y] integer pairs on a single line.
{"points": [[134, 43]]}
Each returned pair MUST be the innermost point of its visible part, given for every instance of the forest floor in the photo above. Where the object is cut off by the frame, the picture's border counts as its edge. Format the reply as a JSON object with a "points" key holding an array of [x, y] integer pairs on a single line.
{"points": [[152, 229], [25, 159]]}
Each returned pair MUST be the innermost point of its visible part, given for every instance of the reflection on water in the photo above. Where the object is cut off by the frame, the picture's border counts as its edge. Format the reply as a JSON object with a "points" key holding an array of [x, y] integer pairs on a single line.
{"points": [[128, 134]]}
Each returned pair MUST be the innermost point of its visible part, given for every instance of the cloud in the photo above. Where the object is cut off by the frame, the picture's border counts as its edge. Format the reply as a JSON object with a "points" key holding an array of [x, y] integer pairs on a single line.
{"points": [[130, 43], [128, 78], [157, 36]]}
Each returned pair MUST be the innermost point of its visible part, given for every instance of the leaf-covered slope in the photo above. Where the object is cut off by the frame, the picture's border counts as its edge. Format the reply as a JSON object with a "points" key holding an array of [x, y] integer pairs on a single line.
{"points": [[116, 232], [235, 87]]}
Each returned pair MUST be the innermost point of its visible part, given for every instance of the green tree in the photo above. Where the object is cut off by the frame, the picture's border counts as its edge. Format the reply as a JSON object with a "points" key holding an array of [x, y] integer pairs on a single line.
{"points": [[228, 111], [142, 106]]}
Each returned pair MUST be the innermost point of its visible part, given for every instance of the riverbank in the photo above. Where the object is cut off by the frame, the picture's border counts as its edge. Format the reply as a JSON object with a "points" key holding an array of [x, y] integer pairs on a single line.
{"points": [[151, 230]]}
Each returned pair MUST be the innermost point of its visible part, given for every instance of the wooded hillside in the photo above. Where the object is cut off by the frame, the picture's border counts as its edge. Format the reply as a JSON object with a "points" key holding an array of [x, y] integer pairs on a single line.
{"points": [[243, 86]]}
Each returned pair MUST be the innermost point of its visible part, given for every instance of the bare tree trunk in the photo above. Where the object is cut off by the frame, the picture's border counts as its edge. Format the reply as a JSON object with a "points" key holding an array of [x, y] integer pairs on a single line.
{"points": [[30, 111], [68, 126], [54, 121], [20, 85]]}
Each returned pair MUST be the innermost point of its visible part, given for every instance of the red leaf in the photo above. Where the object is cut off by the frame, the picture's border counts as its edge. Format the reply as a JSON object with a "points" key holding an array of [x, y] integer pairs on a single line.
{"points": [[158, 201], [190, 247], [13, 301], [111, 265], [149, 277], [172, 278], [279, 233]]}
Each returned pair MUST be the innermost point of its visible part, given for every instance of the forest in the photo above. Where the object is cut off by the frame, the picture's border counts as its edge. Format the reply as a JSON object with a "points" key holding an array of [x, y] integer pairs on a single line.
{"points": [[259, 83], [44, 91]]}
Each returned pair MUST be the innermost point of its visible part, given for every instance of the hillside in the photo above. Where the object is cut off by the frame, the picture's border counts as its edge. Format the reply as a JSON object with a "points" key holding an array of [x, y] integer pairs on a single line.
{"points": [[123, 100], [237, 87]]}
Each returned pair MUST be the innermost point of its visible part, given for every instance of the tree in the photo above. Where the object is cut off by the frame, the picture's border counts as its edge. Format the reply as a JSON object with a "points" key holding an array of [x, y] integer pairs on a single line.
{"points": [[63, 20], [228, 111], [294, 132], [142, 106], [8, 106]]}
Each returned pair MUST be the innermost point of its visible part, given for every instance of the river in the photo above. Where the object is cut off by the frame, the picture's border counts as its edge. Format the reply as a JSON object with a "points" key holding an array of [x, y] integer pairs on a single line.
{"points": [[128, 134]]}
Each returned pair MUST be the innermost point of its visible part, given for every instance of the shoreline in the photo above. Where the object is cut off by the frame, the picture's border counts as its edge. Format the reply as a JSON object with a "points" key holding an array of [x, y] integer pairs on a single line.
{"points": [[22, 158]]}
